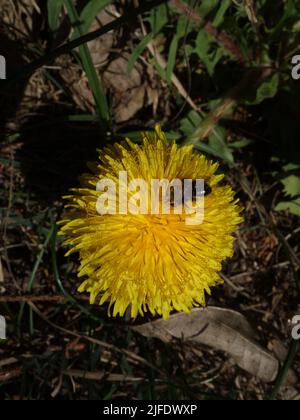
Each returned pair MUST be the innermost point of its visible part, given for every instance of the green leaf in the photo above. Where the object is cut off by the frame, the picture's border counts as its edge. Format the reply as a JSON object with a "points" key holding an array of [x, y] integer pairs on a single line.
{"points": [[90, 11], [138, 51], [268, 89], [219, 146], [54, 9], [208, 51], [292, 206], [88, 65], [190, 122], [292, 185], [205, 148], [172, 58], [219, 18], [290, 11], [181, 31], [216, 146], [240, 144], [158, 18], [291, 182], [207, 6]]}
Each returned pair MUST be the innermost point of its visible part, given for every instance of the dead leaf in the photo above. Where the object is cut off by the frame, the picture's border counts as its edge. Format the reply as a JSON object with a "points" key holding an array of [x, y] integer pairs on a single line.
{"points": [[101, 46], [128, 90], [222, 329], [72, 74]]}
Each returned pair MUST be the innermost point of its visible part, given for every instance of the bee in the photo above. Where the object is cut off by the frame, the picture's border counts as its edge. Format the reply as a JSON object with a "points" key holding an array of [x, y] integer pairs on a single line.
{"points": [[207, 189], [195, 193]]}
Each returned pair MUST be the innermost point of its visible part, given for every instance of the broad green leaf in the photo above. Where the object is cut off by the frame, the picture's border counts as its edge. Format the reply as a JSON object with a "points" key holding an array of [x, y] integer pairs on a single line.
{"points": [[268, 89], [208, 51], [216, 145], [190, 122], [182, 26], [217, 142], [158, 18], [207, 6], [195, 118], [208, 149], [54, 9], [291, 185], [292, 206], [291, 167]]}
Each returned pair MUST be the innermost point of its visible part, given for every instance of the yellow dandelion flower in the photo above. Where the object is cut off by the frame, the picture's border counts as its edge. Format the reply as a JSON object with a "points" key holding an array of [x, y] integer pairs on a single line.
{"points": [[150, 262]]}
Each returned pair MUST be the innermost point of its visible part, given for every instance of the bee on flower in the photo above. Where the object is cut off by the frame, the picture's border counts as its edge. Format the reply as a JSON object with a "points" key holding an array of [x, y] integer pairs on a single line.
{"points": [[155, 261]]}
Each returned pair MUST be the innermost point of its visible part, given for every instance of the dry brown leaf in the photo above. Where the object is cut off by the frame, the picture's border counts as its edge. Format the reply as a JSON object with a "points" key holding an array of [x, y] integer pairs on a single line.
{"points": [[101, 46], [128, 90], [222, 329], [77, 83]]}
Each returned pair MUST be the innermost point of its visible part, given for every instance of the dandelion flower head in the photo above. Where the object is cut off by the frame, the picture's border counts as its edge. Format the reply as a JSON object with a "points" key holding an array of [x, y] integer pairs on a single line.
{"points": [[150, 262]]}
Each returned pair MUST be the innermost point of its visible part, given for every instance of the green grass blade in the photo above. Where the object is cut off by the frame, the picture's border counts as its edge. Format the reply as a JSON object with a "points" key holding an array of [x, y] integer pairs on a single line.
{"points": [[88, 66], [172, 58], [138, 51]]}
